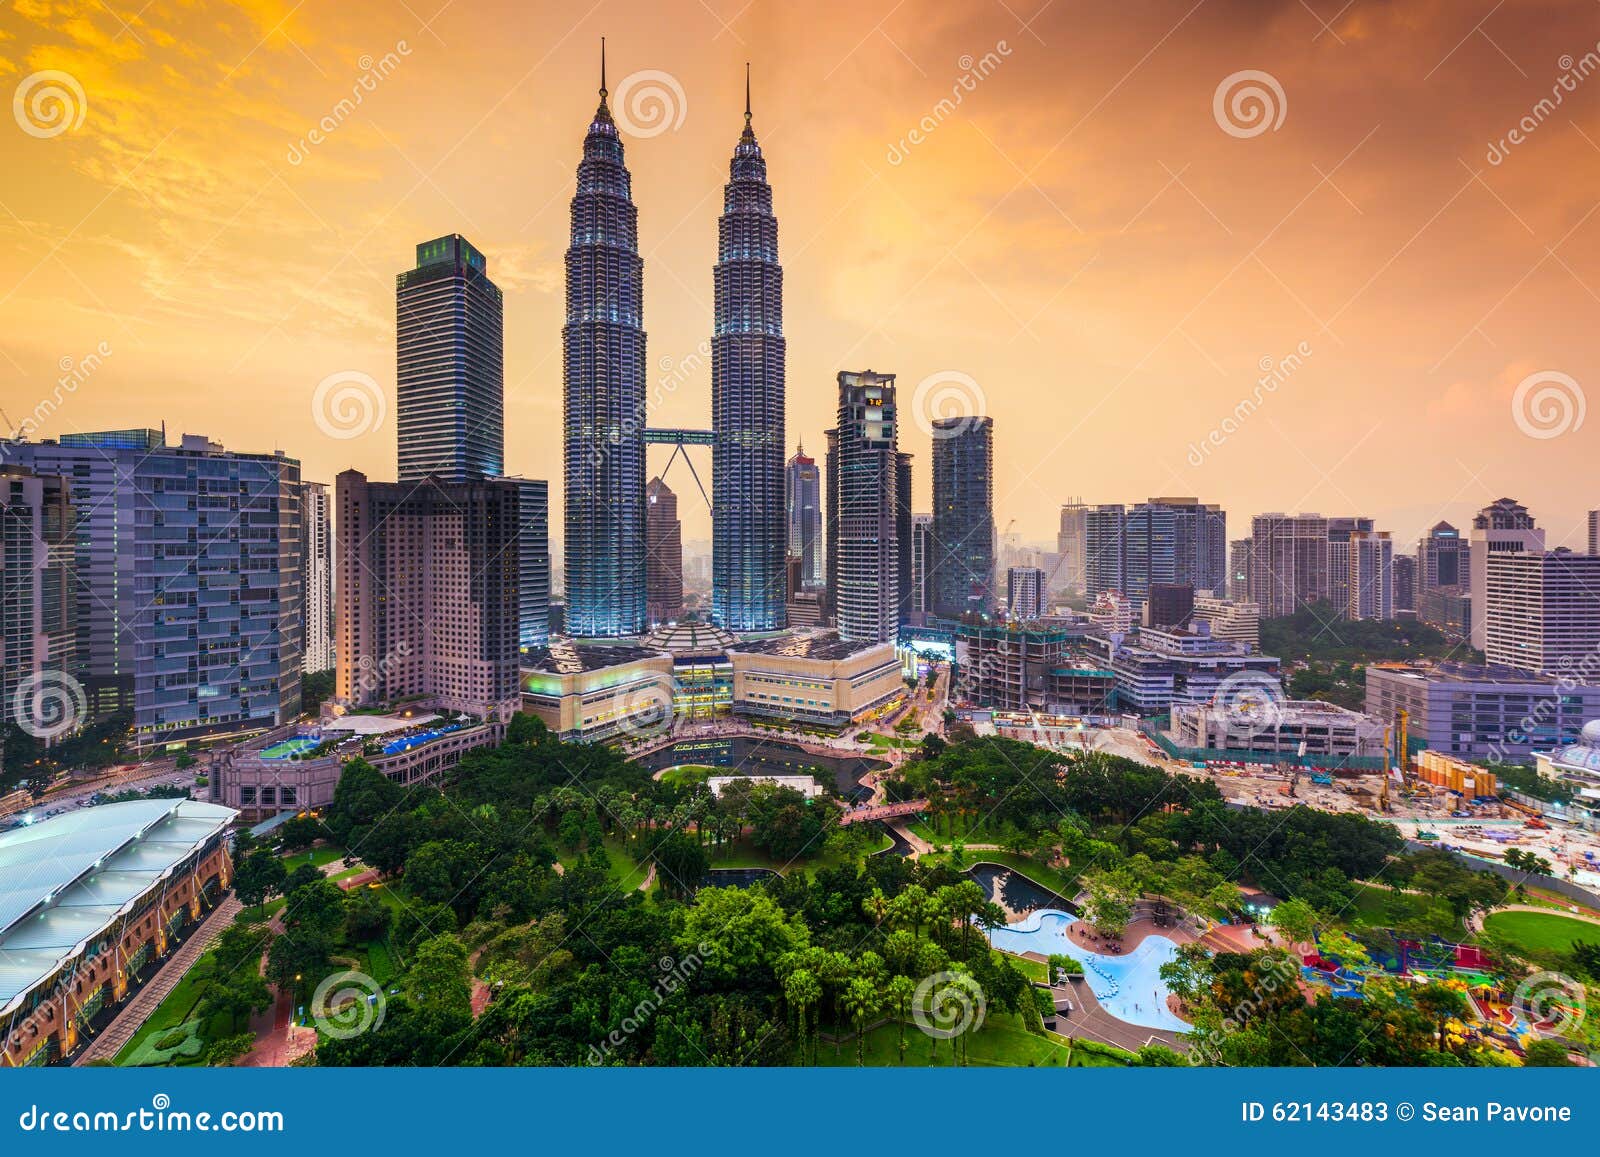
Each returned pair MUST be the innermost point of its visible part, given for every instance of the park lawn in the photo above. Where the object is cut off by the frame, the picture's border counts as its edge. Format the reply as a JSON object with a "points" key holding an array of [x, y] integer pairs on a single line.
{"points": [[1539, 931], [688, 775], [887, 741], [175, 1011], [316, 857], [1032, 969], [1002, 1042], [1377, 907], [627, 872]]}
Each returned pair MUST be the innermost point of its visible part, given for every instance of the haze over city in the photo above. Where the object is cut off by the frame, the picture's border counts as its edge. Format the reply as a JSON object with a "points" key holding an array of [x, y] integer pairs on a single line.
{"points": [[1095, 254]]}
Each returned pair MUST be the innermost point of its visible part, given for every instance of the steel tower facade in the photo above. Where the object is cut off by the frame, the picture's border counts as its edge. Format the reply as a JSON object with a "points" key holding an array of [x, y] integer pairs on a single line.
{"points": [[603, 379], [747, 401]]}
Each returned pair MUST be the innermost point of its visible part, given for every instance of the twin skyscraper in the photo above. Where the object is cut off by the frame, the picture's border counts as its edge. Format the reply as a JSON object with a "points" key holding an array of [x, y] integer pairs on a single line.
{"points": [[607, 406]]}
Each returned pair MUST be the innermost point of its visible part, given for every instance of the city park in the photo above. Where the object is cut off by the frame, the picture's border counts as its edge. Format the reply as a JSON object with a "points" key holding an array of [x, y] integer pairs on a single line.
{"points": [[1081, 908]]}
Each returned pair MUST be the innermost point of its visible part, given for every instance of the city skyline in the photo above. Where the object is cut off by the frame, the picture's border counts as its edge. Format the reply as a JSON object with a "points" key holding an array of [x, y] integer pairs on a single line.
{"points": [[1183, 255]]}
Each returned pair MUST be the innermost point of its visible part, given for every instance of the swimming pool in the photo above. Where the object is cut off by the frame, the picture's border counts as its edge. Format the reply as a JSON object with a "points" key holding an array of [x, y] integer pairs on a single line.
{"points": [[287, 748], [395, 747], [1129, 987]]}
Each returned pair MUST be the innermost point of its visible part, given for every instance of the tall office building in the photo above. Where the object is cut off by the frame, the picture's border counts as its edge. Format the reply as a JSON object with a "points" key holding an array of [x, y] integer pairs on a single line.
{"points": [[663, 554], [803, 514], [316, 553], [747, 400], [1502, 527], [533, 562], [1594, 532], [921, 552], [1340, 532], [1164, 540], [1404, 568], [863, 558], [1369, 581], [1542, 611], [603, 380], [427, 594], [189, 577], [962, 572], [1239, 569], [1071, 547], [38, 595], [1024, 593], [1442, 558], [902, 534], [449, 364], [1288, 562]]}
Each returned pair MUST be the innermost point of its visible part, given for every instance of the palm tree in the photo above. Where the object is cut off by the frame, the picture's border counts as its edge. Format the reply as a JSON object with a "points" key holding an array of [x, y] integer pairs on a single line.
{"points": [[877, 907], [900, 991], [803, 993], [861, 1001]]}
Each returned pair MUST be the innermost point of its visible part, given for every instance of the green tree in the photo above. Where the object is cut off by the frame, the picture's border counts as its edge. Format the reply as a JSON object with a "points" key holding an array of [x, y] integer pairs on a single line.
{"points": [[260, 875], [1546, 1054], [899, 993], [803, 993], [1440, 1004], [438, 982], [739, 932], [861, 1001], [235, 995]]}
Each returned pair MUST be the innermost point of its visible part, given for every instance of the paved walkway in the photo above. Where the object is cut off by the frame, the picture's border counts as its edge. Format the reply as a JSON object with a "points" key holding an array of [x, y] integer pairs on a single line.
{"points": [[133, 1015], [1087, 1020]]}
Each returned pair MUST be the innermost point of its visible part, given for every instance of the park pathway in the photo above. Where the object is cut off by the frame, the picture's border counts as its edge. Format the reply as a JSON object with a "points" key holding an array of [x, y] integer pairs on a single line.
{"points": [[127, 1022]]}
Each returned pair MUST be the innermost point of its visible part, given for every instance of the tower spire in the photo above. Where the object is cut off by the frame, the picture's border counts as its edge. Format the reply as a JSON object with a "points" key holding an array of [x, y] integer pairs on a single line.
{"points": [[749, 135], [602, 70]]}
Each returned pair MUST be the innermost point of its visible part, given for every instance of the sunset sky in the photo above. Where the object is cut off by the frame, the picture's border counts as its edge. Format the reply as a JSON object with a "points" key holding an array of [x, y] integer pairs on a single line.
{"points": [[1080, 245]]}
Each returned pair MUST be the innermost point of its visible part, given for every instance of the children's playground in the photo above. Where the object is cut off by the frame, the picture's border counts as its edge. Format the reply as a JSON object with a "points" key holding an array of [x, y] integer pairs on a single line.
{"points": [[1495, 1017]]}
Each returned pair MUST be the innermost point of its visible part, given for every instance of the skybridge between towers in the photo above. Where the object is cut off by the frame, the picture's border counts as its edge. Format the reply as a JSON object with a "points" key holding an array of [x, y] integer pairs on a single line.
{"points": [[678, 438]]}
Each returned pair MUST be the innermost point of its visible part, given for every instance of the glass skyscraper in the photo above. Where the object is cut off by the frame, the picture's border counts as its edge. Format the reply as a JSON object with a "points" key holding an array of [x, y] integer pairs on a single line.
{"points": [[747, 401], [450, 365], [961, 571], [803, 501], [603, 377]]}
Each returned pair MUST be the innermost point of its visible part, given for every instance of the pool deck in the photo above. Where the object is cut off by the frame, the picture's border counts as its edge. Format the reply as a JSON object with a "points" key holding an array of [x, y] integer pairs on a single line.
{"points": [[1089, 1021], [1083, 935]]}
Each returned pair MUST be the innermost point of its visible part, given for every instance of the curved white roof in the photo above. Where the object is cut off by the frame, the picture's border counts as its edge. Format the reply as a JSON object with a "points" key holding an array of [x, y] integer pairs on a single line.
{"points": [[64, 880]]}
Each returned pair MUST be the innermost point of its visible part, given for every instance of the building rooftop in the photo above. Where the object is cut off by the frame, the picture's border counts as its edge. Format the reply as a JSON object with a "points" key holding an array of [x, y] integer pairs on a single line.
{"points": [[64, 880], [690, 639], [566, 657], [1449, 672], [826, 645]]}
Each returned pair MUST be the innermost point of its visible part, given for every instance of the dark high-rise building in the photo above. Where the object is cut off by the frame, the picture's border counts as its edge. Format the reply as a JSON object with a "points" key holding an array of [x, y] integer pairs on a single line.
{"points": [[1169, 605], [904, 560], [1404, 570], [38, 600], [316, 575], [663, 554], [747, 400], [863, 561], [921, 552], [603, 378], [427, 593], [1442, 558], [962, 569], [449, 364], [1239, 569], [803, 506], [533, 562]]}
